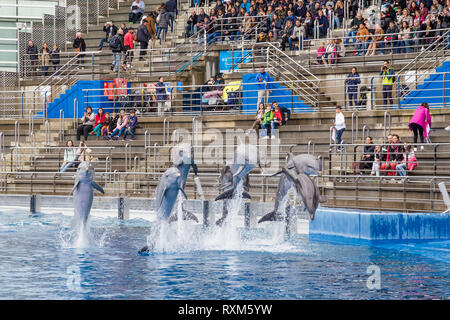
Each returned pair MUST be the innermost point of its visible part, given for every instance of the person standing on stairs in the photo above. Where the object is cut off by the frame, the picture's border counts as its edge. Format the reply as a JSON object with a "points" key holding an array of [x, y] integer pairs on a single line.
{"points": [[264, 85], [419, 123], [163, 23], [143, 37], [172, 10], [339, 124], [352, 82], [128, 48], [116, 44], [79, 45]]}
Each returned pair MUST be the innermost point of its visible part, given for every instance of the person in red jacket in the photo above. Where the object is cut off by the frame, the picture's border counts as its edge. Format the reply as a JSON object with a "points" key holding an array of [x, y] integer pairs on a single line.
{"points": [[99, 119], [129, 46]]}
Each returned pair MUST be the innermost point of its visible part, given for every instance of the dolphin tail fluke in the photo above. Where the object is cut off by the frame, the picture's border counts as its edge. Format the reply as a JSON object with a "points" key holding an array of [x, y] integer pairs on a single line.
{"points": [[246, 195], [271, 216], [187, 215], [225, 195], [229, 195]]}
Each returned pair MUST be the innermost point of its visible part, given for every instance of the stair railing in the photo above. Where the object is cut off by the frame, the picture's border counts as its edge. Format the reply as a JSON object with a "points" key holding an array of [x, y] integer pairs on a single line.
{"points": [[430, 58], [303, 82]]}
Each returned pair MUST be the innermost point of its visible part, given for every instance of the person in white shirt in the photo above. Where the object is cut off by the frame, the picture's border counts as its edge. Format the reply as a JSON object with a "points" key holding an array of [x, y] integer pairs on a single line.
{"points": [[339, 124]]}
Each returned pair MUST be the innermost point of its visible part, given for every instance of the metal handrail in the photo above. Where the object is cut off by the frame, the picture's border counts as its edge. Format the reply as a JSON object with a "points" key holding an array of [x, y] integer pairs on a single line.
{"points": [[386, 113], [61, 125]]}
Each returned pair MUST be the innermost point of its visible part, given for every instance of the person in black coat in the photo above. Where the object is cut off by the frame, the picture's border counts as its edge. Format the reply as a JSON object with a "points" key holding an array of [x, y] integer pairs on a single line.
{"points": [[32, 53], [55, 58], [143, 36], [110, 31], [80, 46], [368, 156], [192, 21]]}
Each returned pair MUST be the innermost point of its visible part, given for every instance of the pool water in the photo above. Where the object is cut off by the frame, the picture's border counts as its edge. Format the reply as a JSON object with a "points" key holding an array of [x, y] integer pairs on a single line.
{"points": [[39, 261]]}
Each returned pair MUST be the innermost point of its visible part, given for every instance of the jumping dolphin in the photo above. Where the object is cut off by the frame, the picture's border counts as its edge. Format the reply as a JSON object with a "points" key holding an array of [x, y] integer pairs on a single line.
{"points": [[245, 159], [83, 191], [296, 173], [173, 181]]}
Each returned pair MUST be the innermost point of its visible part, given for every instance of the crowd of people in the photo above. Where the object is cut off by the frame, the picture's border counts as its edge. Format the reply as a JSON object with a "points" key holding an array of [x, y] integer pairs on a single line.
{"points": [[395, 157], [108, 126], [399, 26]]}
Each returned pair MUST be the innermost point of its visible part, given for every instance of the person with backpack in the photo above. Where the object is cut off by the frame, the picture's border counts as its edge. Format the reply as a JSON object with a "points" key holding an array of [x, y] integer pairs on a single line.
{"points": [[116, 45], [388, 79]]}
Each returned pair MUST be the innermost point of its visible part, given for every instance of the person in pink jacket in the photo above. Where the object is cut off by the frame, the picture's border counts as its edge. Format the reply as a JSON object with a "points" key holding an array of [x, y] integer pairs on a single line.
{"points": [[419, 122], [122, 124]]}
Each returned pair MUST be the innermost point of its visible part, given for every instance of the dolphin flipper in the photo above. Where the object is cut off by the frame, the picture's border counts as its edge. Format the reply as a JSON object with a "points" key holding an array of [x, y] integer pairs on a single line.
{"points": [[74, 187], [99, 188], [184, 193]]}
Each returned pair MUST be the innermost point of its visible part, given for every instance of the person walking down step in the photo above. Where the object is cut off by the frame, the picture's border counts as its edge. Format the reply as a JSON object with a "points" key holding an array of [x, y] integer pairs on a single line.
{"points": [[419, 124]]}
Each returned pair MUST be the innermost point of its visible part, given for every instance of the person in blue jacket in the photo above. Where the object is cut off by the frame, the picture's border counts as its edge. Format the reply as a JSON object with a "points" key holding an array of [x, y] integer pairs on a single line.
{"points": [[352, 82], [264, 85], [161, 95]]}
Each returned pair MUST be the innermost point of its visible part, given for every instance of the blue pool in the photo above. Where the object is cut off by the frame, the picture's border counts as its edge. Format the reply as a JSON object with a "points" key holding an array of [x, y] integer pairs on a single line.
{"points": [[37, 261]]}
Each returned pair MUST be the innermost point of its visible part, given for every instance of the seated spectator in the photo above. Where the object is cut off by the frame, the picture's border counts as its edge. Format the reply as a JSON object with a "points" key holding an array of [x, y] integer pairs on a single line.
{"points": [[298, 32], [394, 156], [104, 132], [404, 37], [409, 162], [285, 112], [277, 119], [191, 22], [340, 48], [266, 122], [99, 120], [377, 41], [288, 28], [113, 122], [83, 153], [368, 156], [213, 92], [132, 125], [110, 31], [122, 124], [330, 55], [322, 22], [362, 39], [137, 11], [259, 115], [378, 157], [321, 54], [88, 121], [70, 156]]}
